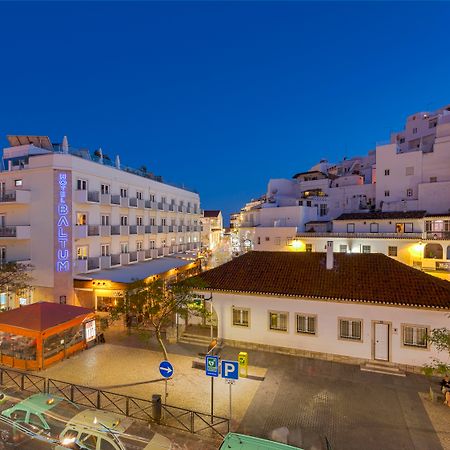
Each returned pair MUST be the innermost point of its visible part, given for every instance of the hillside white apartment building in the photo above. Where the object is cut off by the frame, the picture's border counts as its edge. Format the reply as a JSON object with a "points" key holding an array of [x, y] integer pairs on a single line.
{"points": [[212, 229], [71, 214], [395, 200]]}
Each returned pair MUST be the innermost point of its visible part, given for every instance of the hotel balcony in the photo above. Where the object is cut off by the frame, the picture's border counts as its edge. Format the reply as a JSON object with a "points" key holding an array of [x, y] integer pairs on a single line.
{"points": [[182, 247], [124, 259], [151, 205], [16, 231], [133, 257], [172, 207], [105, 262], [105, 199], [115, 260], [80, 266], [80, 231], [166, 251], [105, 230], [133, 201], [151, 229], [172, 228], [137, 229], [140, 203], [163, 206], [133, 229], [174, 249], [437, 235], [115, 230], [124, 202], [160, 251], [93, 263], [115, 199], [140, 229], [82, 196], [163, 229], [154, 252], [93, 196], [93, 230], [141, 255], [182, 209], [124, 230], [16, 197]]}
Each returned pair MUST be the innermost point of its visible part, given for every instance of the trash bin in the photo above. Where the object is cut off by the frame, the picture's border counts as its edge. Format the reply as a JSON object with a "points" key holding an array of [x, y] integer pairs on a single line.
{"points": [[156, 407]]}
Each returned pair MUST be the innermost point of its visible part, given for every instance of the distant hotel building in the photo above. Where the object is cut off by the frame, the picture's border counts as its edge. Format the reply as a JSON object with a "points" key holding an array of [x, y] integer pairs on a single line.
{"points": [[395, 200], [72, 214]]}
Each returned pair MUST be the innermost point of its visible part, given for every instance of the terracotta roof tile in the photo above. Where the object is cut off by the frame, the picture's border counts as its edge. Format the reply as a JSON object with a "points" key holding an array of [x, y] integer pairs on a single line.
{"points": [[382, 215], [358, 277]]}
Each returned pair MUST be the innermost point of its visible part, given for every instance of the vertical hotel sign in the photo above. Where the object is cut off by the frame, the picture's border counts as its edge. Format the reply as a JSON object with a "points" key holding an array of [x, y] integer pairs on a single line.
{"points": [[63, 234]]}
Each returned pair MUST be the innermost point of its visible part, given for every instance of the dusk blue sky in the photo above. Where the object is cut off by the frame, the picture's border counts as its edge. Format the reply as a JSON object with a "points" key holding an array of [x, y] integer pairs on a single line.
{"points": [[221, 96]]}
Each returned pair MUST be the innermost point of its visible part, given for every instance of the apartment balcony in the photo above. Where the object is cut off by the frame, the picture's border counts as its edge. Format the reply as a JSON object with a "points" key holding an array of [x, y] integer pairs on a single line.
{"points": [[437, 235], [133, 229], [163, 206], [93, 230], [148, 254], [133, 202], [174, 249], [80, 266], [105, 199], [105, 262], [115, 230], [93, 196], [160, 251], [180, 228], [115, 199], [173, 228], [124, 259], [182, 208], [93, 263], [154, 252], [115, 260], [124, 202], [140, 229], [16, 231], [80, 231], [151, 205], [163, 229], [80, 196], [16, 197], [166, 251], [414, 236], [133, 257], [188, 228], [105, 230], [172, 207], [140, 203], [151, 229], [141, 255], [182, 247], [124, 230]]}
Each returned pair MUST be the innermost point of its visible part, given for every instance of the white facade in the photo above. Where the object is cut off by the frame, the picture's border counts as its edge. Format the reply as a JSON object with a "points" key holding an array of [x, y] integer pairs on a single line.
{"points": [[212, 229], [68, 215], [399, 344]]}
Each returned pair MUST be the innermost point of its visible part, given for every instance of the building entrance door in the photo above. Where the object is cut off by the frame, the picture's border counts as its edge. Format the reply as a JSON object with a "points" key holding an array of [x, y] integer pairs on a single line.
{"points": [[381, 342]]}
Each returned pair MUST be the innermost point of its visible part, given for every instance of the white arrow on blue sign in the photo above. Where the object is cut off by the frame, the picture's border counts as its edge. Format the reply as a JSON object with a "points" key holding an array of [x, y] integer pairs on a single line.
{"points": [[212, 365], [166, 369], [230, 370]]}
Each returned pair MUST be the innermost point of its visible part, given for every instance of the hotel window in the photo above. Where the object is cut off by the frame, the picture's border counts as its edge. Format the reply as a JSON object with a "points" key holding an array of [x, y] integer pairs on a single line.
{"points": [[409, 171], [308, 248], [392, 251], [152, 198], [374, 227], [105, 189], [2, 254], [365, 249], [241, 317], [306, 324], [152, 221], [81, 218], [139, 221], [409, 192], [104, 250], [387, 193], [350, 329], [387, 172], [433, 179], [124, 220], [81, 185], [343, 249], [139, 246], [152, 245], [105, 220], [163, 199], [163, 221], [18, 183], [123, 192], [350, 228], [139, 195], [415, 336], [82, 252], [278, 321], [124, 247]]}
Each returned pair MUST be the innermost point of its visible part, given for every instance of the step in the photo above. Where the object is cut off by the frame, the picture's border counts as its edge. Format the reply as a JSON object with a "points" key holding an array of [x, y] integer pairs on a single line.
{"points": [[197, 336], [384, 372], [384, 367], [183, 340]]}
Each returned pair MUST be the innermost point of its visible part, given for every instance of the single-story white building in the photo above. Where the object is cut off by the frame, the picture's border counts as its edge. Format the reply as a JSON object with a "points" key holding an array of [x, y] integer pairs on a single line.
{"points": [[357, 308]]}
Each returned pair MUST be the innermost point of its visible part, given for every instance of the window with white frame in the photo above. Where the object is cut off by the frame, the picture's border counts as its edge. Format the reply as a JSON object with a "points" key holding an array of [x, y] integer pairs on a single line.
{"points": [[152, 221], [374, 227], [124, 247], [105, 188], [387, 193], [152, 245], [241, 316], [350, 329], [278, 321], [409, 227], [343, 248], [306, 323], [152, 198], [82, 252], [81, 185], [392, 251], [323, 209], [139, 195], [104, 250], [105, 219], [18, 183], [365, 249], [123, 192], [415, 336], [387, 172], [139, 221], [139, 246], [350, 228], [123, 220]]}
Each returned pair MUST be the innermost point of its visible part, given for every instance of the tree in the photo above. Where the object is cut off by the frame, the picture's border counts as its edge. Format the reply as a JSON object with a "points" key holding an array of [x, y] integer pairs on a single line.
{"points": [[154, 305], [15, 277], [440, 339]]}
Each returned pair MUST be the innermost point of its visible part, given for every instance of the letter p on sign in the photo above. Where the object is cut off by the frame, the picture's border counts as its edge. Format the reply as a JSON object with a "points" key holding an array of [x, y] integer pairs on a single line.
{"points": [[230, 370]]}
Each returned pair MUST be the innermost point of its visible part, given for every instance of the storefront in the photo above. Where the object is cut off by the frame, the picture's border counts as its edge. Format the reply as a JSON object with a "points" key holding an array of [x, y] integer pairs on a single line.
{"points": [[37, 335]]}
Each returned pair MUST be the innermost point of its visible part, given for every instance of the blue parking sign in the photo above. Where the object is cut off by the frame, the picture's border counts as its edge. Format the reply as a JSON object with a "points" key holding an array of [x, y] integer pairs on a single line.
{"points": [[230, 370], [212, 365]]}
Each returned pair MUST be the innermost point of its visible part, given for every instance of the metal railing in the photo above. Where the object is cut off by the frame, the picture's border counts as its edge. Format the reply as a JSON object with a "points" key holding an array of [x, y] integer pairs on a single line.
{"points": [[93, 196], [93, 230], [313, 234], [93, 263], [133, 202], [176, 417], [8, 196], [8, 232]]}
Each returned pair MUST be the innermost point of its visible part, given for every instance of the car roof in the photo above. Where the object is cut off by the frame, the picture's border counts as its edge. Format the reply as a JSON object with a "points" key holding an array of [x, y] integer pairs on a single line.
{"points": [[99, 420], [37, 403]]}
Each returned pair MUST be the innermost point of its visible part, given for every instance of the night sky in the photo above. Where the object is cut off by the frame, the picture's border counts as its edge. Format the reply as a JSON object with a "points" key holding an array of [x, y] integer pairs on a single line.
{"points": [[221, 96]]}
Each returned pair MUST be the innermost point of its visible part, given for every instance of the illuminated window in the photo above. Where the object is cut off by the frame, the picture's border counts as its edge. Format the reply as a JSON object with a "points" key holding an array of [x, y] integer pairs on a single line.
{"points": [[308, 248], [241, 317], [278, 321], [392, 251], [18, 183], [81, 218], [82, 252]]}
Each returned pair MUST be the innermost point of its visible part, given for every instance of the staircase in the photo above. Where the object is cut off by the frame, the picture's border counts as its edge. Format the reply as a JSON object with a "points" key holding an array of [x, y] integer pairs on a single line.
{"points": [[383, 367], [195, 339]]}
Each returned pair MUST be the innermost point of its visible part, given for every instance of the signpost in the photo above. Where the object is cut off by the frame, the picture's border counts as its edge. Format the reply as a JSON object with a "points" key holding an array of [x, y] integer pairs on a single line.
{"points": [[212, 370], [166, 370], [230, 371]]}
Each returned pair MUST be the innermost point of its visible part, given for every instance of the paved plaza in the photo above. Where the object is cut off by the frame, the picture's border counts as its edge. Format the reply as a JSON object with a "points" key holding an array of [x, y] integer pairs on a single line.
{"points": [[314, 399]]}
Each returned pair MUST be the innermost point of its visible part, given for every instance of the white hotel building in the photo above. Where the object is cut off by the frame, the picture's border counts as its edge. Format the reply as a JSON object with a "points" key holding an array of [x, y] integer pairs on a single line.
{"points": [[72, 215], [395, 200]]}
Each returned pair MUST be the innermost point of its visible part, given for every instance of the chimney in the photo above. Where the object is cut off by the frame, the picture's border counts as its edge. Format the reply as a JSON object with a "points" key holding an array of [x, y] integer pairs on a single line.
{"points": [[330, 258]]}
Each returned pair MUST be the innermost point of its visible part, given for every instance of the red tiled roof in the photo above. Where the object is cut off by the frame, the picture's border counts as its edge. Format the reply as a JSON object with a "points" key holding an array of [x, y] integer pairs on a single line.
{"points": [[42, 316], [211, 213], [373, 278]]}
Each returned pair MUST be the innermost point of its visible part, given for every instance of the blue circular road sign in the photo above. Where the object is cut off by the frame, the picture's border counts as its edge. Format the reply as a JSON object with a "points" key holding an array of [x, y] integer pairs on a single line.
{"points": [[166, 369]]}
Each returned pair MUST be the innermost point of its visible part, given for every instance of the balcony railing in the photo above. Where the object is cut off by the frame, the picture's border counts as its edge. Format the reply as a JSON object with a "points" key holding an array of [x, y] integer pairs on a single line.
{"points": [[115, 230], [151, 205], [105, 199], [93, 230], [361, 235], [16, 196], [151, 229], [182, 208], [16, 231], [148, 253], [105, 230], [141, 255], [442, 235], [133, 229], [93, 196], [163, 229], [140, 203], [133, 257], [115, 199], [124, 230], [133, 202], [93, 263], [115, 260], [105, 262], [172, 228]]}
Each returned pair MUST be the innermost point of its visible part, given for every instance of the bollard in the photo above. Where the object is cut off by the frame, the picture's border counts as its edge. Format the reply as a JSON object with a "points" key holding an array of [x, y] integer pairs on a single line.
{"points": [[156, 407]]}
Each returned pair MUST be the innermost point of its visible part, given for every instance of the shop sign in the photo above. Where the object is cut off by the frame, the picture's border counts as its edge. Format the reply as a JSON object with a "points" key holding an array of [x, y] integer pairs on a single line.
{"points": [[442, 265], [62, 226], [90, 331]]}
